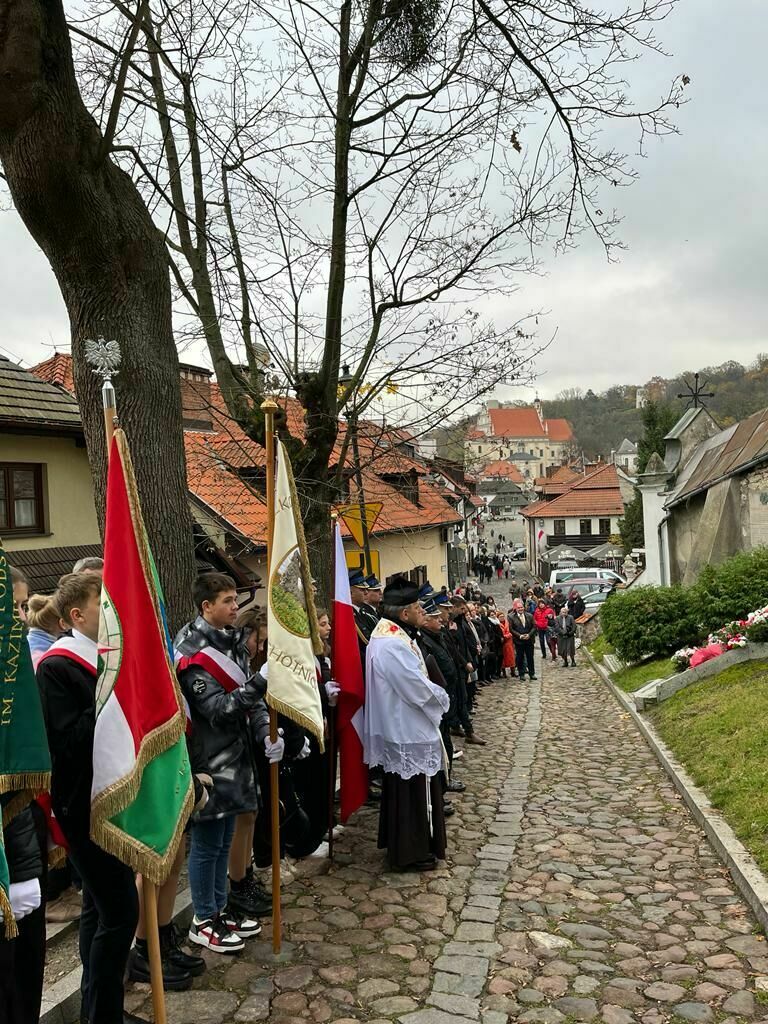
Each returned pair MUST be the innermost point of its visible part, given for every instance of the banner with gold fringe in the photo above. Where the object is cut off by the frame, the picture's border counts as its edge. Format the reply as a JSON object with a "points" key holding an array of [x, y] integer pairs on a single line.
{"points": [[142, 790], [292, 688]]}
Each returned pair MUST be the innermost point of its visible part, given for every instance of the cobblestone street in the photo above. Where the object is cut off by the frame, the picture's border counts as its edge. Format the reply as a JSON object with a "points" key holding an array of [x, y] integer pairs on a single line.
{"points": [[577, 888]]}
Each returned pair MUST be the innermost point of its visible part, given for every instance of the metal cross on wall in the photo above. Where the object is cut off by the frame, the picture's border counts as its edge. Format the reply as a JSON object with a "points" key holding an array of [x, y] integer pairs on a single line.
{"points": [[695, 394]]}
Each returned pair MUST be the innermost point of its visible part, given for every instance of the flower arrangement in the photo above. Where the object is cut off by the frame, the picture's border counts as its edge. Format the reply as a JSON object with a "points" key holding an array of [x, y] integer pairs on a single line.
{"points": [[682, 658], [730, 636]]}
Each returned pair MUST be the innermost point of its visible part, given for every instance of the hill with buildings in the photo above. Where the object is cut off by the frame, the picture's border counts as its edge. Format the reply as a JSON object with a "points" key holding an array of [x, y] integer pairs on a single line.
{"points": [[601, 420]]}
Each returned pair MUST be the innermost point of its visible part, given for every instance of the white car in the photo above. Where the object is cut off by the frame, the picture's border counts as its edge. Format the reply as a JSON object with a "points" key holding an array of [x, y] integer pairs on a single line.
{"points": [[558, 577], [595, 598]]}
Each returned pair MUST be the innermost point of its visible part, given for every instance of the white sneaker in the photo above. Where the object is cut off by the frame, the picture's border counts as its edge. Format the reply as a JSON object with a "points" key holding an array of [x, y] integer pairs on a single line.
{"points": [[215, 935]]}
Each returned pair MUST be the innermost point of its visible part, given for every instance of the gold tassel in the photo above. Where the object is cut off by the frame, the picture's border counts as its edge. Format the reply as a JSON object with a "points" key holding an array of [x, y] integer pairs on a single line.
{"points": [[9, 921]]}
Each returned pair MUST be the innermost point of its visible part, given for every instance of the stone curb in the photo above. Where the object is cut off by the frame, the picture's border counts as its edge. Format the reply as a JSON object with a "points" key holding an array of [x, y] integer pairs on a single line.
{"points": [[749, 879], [61, 1001]]}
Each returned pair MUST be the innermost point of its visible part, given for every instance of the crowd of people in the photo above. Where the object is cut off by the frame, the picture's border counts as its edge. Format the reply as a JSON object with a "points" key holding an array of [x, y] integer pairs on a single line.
{"points": [[426, 657]]}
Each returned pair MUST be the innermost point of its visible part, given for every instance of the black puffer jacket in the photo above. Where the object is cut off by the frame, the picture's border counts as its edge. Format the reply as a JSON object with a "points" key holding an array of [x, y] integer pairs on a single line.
{"points": [[24, 842], [225, 725]]}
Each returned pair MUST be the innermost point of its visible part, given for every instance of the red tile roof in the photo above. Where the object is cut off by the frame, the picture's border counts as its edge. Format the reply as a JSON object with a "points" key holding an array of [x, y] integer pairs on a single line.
{"points": [[502, 469], [57, 370], [221, 490], [215, 455], [519, 422], [597, 494], [559, 430], [523, 421]]}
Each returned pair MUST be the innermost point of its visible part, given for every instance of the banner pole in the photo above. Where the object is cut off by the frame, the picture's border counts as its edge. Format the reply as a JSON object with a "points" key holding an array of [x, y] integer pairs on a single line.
{"points": [[269, 408], [104, 357], [153, 947], [332, 710]]}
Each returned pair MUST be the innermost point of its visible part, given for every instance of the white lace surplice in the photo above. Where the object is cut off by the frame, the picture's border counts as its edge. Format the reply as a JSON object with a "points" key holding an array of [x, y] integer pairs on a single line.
{"points": [[402, 710]]}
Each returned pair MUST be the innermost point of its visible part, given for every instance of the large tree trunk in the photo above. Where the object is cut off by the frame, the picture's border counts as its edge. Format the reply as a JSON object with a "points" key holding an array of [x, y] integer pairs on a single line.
{"points": [[110, 262]]}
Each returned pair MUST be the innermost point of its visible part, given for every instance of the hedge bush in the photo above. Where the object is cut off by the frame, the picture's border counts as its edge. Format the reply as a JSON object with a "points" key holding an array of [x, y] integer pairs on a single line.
{"points": [[647, 621], [727, 592]]}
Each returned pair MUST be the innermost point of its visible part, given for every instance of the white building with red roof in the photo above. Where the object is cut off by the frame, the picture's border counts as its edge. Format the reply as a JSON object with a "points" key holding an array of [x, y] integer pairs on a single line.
{"points": [[522, 435], [584, 515]]}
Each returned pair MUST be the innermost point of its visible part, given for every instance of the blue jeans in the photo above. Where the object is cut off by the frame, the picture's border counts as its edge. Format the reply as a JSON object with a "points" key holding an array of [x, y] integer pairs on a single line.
{"points": [[208, 860]]}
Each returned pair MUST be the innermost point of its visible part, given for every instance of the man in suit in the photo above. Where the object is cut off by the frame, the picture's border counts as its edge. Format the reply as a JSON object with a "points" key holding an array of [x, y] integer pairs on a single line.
{"points": [[523, 631]]}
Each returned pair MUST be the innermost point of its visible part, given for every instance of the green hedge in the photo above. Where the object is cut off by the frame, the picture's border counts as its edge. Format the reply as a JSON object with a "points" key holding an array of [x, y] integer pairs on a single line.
{"points": [[731, 590], [646, 621], [657, 621]]}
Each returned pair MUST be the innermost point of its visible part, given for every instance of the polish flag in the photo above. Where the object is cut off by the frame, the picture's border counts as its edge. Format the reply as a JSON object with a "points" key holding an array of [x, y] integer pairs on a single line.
{"points": [[348, 673]]}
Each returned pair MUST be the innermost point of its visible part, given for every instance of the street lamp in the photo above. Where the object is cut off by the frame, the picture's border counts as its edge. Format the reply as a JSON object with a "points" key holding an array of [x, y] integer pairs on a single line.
{"points": [[345, 379]]}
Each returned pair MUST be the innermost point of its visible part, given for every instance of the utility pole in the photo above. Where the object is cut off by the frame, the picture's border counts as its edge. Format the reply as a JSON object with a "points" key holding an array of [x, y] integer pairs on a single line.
{"points": [[352, 427]]}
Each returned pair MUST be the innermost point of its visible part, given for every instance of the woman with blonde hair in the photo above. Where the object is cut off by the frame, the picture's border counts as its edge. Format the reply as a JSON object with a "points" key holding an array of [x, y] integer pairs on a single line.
{"points": [[44, 625]]}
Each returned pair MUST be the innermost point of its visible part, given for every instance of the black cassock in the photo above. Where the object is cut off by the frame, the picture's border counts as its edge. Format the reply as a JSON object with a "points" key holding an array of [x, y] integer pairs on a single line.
{"points": [[404, 819]]}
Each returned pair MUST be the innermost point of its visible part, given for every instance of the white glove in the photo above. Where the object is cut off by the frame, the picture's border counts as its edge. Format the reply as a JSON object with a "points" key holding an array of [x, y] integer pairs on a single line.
{"points": [[276, 750], [333, 690], [305, 751], [264, 670], [25, 897]]}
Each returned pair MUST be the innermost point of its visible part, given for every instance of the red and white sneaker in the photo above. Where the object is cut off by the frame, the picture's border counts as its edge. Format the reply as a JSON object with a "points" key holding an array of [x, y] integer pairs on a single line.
{"points": [[239, 924], [215, 935]]}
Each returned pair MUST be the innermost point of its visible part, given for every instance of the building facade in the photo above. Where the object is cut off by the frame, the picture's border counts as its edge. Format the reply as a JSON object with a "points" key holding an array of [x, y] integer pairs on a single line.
{"points": [[521, 434], [707, 499]]}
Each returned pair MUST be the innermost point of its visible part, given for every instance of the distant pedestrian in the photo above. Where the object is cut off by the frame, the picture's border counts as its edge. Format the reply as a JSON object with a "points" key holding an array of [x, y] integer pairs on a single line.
{"points": [[542, 619], [565, 626], [523, 631], [576, 605]]}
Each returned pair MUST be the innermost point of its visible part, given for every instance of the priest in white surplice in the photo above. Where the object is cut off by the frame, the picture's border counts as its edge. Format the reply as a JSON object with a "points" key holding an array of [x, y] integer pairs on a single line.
{"points": [[403, 710]]}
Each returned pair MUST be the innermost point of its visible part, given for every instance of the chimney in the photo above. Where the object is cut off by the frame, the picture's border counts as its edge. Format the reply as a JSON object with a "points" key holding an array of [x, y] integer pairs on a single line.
{"points": [[196, 397]]}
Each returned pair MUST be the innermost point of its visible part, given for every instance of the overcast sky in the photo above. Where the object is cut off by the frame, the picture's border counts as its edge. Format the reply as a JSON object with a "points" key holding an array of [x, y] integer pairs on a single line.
{"points": [[689, 292]]}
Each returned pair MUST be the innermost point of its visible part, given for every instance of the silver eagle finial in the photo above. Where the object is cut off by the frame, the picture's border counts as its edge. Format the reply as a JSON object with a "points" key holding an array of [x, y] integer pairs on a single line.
{"points": [[103, 356]]}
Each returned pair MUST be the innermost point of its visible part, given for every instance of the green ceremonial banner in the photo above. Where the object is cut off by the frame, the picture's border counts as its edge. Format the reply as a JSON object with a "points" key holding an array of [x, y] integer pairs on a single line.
{"points": [[25, 763]]}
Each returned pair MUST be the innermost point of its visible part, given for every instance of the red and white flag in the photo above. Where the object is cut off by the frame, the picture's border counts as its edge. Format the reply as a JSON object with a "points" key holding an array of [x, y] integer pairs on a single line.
{"points": [[348, 673]]}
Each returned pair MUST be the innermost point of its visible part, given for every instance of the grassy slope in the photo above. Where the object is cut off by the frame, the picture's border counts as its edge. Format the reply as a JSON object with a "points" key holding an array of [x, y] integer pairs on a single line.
{"points": [[717, 728], [631, 679]]}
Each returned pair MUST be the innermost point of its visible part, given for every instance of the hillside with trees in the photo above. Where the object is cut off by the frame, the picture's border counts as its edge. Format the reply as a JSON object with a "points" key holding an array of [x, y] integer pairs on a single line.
{"points": [[601, 421]]}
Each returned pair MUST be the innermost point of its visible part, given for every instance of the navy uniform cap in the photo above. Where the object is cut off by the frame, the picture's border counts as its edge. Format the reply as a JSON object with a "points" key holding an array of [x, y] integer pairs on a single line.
{"points": [[357, 579], [372, 583], [425, 590], [441, 599], [430, 607]]}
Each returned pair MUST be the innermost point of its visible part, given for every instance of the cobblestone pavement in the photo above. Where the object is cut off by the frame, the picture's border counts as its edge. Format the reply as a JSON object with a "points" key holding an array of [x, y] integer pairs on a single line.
{"points": [[578, 888]]}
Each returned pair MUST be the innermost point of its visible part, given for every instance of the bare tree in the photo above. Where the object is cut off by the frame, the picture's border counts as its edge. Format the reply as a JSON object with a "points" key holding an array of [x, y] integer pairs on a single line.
{"points": [[110, 261], [352, 184]]}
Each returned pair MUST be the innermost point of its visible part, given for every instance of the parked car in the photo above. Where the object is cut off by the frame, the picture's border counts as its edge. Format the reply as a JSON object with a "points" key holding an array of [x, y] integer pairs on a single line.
{"points": [[519, 555], [594, 599], [562, 577], [584, 587]]}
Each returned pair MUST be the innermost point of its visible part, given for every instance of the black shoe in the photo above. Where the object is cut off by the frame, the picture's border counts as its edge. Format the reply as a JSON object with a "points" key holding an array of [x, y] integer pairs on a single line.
{"points": [[454, 786], [174, 979], [448, 810], [170, 943], [533, 677], [242, 900], [258, 893], [420, 865]]}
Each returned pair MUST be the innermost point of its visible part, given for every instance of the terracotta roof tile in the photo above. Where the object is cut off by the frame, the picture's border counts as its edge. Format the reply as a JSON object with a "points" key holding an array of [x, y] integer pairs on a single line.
{"points": [[57, 370], [214, 455], [221, 490], [559, 430], [519, 422]]}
